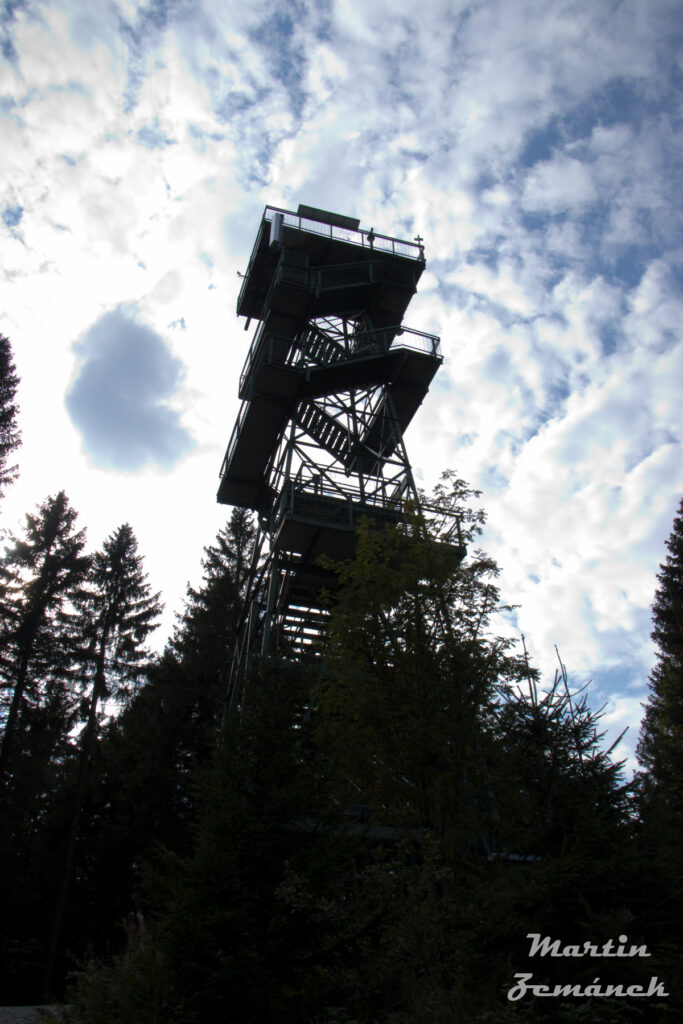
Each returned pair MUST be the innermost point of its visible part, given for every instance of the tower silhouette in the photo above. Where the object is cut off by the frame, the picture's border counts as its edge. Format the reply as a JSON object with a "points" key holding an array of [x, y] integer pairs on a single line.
{"points": [[330, 383]]}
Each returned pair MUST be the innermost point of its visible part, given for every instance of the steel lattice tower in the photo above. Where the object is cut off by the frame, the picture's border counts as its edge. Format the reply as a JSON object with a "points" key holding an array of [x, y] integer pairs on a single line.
{"points": [[330, 383]]}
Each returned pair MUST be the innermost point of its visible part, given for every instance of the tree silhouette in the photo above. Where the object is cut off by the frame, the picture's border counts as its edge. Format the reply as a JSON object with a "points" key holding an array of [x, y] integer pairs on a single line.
{"points": [[660, 747], [10, 438], [114, 614], [660, 752], [151, 757], [38, 576], [410, 675], [382, 856]]}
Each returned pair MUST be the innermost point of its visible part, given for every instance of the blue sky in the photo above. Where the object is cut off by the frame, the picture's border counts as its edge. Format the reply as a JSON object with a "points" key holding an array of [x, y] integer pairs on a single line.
{"points": [[537, 149]]}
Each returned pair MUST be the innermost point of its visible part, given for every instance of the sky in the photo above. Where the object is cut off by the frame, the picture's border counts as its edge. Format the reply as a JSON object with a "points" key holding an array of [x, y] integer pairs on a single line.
{"points": [[536, 147]]}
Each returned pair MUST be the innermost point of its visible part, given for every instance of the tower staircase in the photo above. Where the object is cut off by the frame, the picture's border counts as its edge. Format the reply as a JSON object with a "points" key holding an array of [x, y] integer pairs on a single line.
{"points": [[331, 381]]}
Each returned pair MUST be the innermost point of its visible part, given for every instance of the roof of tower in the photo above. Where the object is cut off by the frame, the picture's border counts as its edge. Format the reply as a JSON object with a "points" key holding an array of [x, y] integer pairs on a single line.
{"points": [[325, 217]]}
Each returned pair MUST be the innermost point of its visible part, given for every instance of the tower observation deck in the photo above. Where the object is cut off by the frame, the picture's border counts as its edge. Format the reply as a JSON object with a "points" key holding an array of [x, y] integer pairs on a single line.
{"points": [[329, 385]]}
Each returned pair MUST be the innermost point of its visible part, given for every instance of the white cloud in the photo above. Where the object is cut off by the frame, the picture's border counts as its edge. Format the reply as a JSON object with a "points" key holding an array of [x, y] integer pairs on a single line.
{"points": [[656, 309], [559, 184], [501, 287]]}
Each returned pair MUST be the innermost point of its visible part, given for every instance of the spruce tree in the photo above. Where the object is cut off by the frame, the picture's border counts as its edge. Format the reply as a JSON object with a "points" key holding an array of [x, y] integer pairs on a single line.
{"points": [[660, 748], [115, 612], [38, 576], [10, 437], [142, 791], [170, 729], [153, 753], [205, 632], [660, 784]]}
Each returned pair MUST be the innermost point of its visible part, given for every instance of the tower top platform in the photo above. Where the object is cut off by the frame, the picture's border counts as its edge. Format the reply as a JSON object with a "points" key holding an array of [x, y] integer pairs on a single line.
{"points": [[325, 217], [321, 239]]}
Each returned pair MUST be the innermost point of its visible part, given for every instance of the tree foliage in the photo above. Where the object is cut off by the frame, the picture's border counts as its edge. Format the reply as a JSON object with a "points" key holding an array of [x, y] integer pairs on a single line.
{"points": [[660, 752], [383, 856], [169, 730], [38, 576], [660, 748], [114, 614], [141, 787], [10, 437], [411, 676], [393, 816]]}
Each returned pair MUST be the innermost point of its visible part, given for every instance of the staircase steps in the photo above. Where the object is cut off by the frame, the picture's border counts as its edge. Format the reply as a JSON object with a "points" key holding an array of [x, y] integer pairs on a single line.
{"points": [[324, 429], [301, 627], [322, 349]]}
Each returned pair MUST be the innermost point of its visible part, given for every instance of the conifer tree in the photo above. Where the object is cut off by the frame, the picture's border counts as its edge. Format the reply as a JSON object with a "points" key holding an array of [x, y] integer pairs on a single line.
{"points": [[203, 638], [152, 753], [180, 705], [10, 437], [38, 576], [115, 613], [142, 791], [660, 785], [660, 748]]}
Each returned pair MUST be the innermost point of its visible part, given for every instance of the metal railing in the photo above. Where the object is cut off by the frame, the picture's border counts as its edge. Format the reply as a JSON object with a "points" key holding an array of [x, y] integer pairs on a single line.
{"points": [[263, 347], [304, 492], [255, 350], [368, 241], [334, 485], [395, 338], [365, 239], [232, 443]]}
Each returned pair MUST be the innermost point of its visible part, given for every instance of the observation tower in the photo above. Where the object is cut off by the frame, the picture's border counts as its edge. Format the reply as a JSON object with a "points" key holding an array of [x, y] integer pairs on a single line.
{"points": [[330, 383]]}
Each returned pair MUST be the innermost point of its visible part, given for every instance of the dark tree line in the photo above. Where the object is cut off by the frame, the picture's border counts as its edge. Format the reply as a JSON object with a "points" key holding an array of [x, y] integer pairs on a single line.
{"points": [[73, 632], [371, 841], [86, 796]]}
